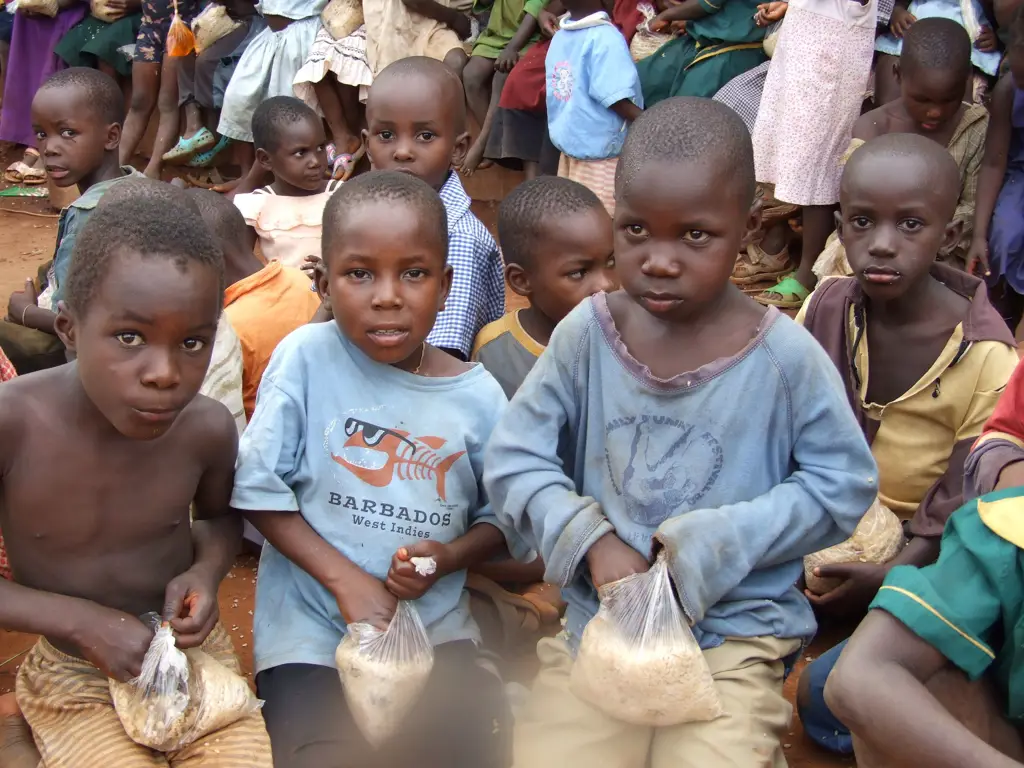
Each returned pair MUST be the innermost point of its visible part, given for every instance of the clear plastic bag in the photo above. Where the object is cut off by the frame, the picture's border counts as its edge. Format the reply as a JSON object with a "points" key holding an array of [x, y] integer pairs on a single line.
{"points": [[181, 696], [638, 661], [878, 538], [383, 672], [211, 25]]}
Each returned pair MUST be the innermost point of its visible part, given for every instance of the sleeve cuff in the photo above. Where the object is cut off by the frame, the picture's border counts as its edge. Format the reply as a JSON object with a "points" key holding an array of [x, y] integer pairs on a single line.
{"points": [[616, 97], [986, 461], [907, 599], [256, 499], [572, 545]]}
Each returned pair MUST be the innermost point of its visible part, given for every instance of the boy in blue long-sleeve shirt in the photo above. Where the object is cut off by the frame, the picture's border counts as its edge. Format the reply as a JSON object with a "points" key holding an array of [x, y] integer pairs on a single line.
{"points": [[677, 413]]}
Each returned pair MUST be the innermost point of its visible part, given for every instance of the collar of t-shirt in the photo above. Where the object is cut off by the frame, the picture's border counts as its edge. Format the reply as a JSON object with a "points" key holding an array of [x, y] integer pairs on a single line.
{"points": [[593, 20]]}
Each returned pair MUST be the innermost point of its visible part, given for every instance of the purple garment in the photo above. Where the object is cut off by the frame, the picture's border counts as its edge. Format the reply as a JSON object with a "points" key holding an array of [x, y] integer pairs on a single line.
{"points": [[32, 61], [1006, 233]]}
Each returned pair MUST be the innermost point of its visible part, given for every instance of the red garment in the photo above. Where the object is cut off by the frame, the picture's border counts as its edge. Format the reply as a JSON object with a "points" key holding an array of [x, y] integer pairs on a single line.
{"points": [[524, 88], [7, 373], [1008, 416]]}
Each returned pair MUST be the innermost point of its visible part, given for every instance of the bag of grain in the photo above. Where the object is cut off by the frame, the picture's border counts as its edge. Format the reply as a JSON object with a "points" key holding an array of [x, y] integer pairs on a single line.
{"points": [[181, 696], [383, 672], [878, 538], [638, 661]]}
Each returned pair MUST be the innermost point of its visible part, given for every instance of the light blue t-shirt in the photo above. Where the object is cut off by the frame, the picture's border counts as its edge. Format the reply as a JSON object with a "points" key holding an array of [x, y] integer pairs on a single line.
{"points": [[374, 458], [589, 68], [738, 469]]}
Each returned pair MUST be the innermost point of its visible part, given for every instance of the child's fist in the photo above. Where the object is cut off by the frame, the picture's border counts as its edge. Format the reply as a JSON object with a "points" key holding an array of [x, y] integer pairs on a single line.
{"points": [[405, 581]]}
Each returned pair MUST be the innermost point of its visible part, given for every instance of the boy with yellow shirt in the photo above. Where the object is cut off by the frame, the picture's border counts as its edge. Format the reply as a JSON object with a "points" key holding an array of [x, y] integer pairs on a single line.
{"points": [[939, 358]]}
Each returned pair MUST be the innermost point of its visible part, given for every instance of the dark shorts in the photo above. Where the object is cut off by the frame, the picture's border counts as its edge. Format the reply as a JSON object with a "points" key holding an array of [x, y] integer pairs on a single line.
{"points": [[461, 721], [156, 21], [6, 26]]}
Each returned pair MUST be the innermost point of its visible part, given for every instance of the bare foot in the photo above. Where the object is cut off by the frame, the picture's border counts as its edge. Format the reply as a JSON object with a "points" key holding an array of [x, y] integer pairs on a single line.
{"points": [[17, 749], [474, 158]]}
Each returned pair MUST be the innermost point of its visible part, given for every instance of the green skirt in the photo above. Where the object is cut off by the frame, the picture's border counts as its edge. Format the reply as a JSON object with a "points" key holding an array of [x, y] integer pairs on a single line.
{"points": [[682, 68], [92, 40]]}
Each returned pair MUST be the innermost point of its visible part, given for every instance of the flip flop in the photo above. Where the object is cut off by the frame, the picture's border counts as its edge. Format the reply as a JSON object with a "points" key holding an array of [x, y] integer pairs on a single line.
{"points": [[187, 148], [205, 159], [792, 291], [15, 173]]}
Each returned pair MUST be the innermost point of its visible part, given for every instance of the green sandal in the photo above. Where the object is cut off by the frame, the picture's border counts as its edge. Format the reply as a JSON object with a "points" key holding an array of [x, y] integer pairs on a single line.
{"points": [[792, 291]]}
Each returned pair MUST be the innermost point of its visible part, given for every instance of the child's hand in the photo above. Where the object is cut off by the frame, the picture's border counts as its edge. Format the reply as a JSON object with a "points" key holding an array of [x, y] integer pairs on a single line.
{"points": [[21, 301], [461, 26], [190, 605], [404, 582], [769, 13], [114, 641], [861, 582], [506, 60], [611, 559], [548, 23], [987, 40], [900, 21], [977, 258], [367, 602]]}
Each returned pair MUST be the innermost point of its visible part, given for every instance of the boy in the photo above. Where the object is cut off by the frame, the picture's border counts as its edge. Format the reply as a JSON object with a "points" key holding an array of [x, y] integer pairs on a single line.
{"points": [[932, 675], [940, 355], [626, 438], [416, 123], [263, 302], [932, 73], [136, 448], [997, 458], [556, 239], [77, 116], [593, 94], [366, 450]]}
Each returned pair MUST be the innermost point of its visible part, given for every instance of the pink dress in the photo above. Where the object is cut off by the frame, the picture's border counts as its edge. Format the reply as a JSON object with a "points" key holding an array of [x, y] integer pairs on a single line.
{"points": [[813, 94], [289, 228]]}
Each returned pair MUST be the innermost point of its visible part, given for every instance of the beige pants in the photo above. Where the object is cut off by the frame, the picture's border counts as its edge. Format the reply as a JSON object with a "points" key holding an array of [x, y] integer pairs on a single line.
{"points": [[557, 730], [67, 703]]}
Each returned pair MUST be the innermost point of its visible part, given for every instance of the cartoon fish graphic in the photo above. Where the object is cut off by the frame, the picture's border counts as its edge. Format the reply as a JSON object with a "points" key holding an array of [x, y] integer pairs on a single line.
{"points": [[376, 454]]}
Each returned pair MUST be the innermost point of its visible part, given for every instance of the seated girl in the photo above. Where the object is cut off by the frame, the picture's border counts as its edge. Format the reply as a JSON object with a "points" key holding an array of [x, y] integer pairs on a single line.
{"points": [[100, 39]]}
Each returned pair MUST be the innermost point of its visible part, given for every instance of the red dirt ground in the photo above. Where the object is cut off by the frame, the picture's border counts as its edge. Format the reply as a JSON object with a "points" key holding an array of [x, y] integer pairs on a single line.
{"points": [[27, 236]]}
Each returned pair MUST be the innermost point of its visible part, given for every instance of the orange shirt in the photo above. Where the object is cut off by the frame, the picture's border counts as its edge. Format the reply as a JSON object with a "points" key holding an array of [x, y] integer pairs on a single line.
{"points": [[263, 309]]}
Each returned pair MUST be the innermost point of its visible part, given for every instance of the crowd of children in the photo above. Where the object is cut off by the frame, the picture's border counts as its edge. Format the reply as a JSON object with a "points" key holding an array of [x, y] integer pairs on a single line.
{"points": [[321, 362]]}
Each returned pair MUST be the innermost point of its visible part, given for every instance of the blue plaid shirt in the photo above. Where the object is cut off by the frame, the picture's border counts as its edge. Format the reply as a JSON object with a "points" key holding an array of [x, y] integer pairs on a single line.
{"points": [[478, 287]]}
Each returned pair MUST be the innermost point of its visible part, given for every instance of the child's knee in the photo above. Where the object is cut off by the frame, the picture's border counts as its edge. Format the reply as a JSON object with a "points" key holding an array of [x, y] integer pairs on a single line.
{"points": [[477, 72], [456, 60], [143, 100]]}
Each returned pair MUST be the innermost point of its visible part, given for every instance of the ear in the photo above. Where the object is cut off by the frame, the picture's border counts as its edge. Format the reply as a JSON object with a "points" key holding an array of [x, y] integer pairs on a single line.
{"points": [[838, 215], [323, 284], [460, 150], [517, 280], [113, 137], [263, 158], [365, 136], [951, 238], [65, 327], [446, 287], [754, 217]]}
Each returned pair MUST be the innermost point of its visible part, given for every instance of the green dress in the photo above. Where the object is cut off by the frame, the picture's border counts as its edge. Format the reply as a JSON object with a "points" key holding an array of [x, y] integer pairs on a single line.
{"points": [[92, 40], [713, 51], [506, 16]]}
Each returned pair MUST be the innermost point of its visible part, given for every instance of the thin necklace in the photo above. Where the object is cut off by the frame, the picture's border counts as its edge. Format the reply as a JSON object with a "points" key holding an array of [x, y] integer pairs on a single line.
{"points": [[423, 353]]}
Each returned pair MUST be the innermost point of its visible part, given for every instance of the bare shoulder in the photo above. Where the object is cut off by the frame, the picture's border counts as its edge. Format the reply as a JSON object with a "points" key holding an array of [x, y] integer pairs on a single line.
{"points": [[208, 426], [871, 124], [33, 399]]}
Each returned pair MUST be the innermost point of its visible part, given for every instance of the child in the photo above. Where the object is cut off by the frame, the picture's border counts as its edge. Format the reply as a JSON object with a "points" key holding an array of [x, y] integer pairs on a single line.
{"points": [[938, 354], [932, 73], [995, 459], [263, 302], [626, 437], [593, 94], [812, 96], [998, 223], [719, 42], [136, 448], [969, 15], [556, 239], [343, 407], [416, 123], [77, 116], [512, 29], [931, 677], [290, 144]]}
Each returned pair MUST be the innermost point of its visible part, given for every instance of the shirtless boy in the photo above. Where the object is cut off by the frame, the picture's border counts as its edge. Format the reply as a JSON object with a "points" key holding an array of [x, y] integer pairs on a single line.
{"points": [[106, 538]]}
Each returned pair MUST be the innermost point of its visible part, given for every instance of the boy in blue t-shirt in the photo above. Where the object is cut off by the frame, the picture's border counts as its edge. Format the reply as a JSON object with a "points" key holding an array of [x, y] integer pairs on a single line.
{"points": [[365, 450], [593, 94], [677, 413]]}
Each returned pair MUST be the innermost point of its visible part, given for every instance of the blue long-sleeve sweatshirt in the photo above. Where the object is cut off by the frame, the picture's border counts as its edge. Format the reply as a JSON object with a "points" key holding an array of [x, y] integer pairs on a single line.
{"points": [[738, 469]]}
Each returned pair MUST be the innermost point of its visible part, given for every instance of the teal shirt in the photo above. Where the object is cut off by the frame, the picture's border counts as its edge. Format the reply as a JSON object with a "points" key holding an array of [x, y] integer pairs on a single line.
{"points": [[969, 604], [730, 21], [72, 219]]}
